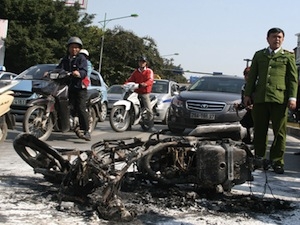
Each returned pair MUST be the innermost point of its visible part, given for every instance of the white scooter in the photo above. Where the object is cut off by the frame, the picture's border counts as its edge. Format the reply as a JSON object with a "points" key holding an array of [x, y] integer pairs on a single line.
{"points": [[7, 120], [129, 111]]}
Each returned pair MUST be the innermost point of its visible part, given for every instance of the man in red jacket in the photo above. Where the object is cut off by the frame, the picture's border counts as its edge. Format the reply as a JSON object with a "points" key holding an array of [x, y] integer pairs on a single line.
{"points": [[144, 77]]}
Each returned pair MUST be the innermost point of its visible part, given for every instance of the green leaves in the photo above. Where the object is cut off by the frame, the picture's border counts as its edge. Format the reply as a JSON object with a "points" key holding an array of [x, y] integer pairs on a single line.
{"points": [[38, 32]]}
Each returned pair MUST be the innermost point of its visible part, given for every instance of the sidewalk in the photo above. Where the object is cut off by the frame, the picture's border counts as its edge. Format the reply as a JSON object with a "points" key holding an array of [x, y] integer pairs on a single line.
{"points": [[293, 131]]}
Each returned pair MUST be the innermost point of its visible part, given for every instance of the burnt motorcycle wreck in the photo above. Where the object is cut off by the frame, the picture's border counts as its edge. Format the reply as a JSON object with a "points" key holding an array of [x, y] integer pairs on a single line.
{"points": [[201, 161]]}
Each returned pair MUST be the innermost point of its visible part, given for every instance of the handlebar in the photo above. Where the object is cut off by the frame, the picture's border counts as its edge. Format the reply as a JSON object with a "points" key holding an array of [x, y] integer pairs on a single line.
{"points": [[58, 74]]}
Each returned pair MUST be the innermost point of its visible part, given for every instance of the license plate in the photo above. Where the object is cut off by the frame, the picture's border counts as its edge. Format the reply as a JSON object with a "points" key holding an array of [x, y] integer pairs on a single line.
{"points": [[19, 101], [204, 116]]}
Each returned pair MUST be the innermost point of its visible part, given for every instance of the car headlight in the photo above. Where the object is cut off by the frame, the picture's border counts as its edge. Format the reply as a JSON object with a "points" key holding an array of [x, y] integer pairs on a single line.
{"points": [[231, 108], [35, 96], [177, 102]]}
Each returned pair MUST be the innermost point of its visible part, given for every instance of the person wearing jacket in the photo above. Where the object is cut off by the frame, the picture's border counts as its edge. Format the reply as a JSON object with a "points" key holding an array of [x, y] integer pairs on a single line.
{"points": [[273, 84], [77, 64], [87, 80], [144, 77], [247, 120]]}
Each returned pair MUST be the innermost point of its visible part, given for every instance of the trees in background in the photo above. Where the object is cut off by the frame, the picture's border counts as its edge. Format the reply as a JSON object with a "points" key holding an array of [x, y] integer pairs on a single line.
{"points": [[39, 30]]}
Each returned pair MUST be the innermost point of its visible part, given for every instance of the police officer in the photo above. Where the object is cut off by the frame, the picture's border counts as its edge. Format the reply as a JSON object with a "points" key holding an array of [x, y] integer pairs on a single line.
{"points": [[77, 64], [272, 83]]}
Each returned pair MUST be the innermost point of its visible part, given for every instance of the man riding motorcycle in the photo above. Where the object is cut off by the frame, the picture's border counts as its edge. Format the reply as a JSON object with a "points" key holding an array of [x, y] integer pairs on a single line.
{"points": [[77, 64], [144, 77]]}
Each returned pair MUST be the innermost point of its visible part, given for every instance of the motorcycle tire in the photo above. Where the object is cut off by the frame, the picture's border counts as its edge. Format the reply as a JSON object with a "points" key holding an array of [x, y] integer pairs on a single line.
{"points": [[116, 119], [92, 119], [3, 131], [33, 121], [41, 157]]}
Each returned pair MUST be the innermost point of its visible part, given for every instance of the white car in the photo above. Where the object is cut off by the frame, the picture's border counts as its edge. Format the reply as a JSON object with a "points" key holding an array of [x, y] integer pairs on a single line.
{"points": [[7, 75], [164, 90]]}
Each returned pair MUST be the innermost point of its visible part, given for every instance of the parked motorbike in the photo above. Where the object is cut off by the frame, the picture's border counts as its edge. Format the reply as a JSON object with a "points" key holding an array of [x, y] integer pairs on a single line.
{"points": [[7, 120], [52, 110], [129, 111]]}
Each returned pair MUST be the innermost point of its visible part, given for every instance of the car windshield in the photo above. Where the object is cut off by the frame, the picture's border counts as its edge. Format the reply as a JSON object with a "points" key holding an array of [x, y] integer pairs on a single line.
{"points": [[218, 84], [115, 89], [6, 76], [160, 87], [37, 72]]}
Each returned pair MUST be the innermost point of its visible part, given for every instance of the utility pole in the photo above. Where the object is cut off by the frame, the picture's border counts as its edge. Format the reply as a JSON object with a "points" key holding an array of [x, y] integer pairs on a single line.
{"points": [[247, 62]]}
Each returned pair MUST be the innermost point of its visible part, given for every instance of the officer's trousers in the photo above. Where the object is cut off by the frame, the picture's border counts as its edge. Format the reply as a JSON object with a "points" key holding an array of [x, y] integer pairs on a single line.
{"points": [[262, 114]]}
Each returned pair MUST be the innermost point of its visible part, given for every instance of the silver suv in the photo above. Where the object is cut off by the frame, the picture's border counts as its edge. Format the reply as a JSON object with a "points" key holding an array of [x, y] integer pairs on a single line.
{"points": [[209, 100]]}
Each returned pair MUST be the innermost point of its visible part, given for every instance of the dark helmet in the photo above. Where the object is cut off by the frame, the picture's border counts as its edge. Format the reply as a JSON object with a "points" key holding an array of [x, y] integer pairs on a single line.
{"points": [[75, 40], [142, 58]]}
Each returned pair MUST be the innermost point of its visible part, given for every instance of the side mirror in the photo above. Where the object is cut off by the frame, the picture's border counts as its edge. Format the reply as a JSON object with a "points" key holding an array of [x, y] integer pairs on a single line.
{"points": [[182, 88]]}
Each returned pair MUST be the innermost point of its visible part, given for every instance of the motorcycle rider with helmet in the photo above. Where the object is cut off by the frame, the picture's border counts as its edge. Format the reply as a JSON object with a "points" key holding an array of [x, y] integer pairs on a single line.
{"points": [[77, 64], [144, 76]]}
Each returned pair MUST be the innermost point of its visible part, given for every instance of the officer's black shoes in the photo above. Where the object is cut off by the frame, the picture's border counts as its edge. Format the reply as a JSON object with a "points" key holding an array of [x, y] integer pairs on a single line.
{"points": [[278, 169], [261, 163], [87, 136], [265, 164]]}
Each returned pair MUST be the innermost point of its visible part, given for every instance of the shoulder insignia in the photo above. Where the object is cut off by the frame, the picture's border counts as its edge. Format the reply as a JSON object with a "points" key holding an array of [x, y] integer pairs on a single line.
{"points": [[287, 51]]}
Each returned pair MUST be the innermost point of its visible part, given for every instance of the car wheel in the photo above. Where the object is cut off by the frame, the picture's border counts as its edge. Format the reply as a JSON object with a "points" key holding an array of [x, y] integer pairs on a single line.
{"points": [[165, 120], [176, 130]]}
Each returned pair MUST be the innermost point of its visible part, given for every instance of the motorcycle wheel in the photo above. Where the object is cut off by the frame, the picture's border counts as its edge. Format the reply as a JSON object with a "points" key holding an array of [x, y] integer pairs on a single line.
{"points": [[116, 119], [92, 119], [157, 163], [3, 131], [103, 112], [41, 157], [34, 119]]}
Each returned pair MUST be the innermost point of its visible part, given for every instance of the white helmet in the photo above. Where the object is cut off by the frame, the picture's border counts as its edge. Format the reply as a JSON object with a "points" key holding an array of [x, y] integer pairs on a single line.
{"points": [[84, 51], [2, 68]]}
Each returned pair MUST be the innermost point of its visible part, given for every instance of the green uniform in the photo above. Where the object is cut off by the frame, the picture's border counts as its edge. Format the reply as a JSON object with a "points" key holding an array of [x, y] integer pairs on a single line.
{"points": [[273, 79]]}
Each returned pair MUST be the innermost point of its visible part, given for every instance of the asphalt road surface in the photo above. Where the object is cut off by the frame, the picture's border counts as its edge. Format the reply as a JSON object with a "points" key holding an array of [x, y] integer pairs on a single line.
{"points": [[25, 198]]}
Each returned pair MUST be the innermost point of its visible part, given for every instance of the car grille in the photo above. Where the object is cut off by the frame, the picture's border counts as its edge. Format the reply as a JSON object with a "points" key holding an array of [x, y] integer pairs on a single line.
{"points": [[22, 94], [205, 106]]}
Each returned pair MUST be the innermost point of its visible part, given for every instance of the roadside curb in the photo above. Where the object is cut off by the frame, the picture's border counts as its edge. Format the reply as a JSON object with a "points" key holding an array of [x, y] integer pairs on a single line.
{"points": [[293, 131]]}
